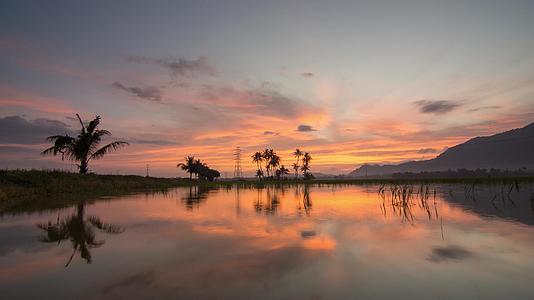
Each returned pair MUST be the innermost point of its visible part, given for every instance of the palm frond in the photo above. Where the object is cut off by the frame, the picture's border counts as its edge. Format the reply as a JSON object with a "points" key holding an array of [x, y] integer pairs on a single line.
{"points": [[108, 148], [108, 228], [93, 124], [81, 123], [62, 144]]}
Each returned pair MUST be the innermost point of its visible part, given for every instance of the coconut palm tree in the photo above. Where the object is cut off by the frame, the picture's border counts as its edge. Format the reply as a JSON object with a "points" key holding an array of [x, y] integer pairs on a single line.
{"points": [[259, 174], [297, 154], [258, 159], [283, 171], [188, 166], [306, 165], [198, 165], [79, 230], [85, 146], [274, 162], [267, 155]]}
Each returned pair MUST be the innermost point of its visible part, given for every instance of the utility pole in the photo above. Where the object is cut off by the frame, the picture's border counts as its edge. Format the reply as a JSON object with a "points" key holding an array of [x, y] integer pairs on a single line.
{"points": [[147, 171]]}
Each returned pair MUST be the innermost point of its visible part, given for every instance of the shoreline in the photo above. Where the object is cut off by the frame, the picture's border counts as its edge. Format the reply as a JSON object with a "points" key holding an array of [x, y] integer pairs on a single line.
{"points": [[29, 190]]}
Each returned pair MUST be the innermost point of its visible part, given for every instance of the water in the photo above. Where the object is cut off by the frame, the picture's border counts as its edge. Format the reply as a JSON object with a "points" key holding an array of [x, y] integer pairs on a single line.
{"points": [[332, 242]]}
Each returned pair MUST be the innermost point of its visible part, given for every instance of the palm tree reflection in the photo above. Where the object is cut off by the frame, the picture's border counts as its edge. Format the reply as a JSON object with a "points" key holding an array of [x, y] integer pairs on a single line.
{"points": [[306, 200], [79, 230], [195, 196], [269, 207]]}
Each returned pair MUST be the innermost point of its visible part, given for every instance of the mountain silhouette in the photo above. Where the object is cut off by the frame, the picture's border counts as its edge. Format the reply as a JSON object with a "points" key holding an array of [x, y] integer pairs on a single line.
{"points": [[510, 150]]}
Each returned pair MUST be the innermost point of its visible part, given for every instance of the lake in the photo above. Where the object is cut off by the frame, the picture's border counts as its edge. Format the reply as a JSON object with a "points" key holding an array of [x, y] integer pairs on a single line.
{"points": [[297, 242]]}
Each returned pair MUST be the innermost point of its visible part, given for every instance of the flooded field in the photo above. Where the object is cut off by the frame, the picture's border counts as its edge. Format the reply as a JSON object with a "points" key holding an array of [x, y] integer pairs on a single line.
{"points": [[301, 242]]}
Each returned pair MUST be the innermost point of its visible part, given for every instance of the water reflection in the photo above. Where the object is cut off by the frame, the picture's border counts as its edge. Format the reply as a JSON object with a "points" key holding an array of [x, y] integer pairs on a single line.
{"points": [[79, 230], [306, 200], [299, 242], [402, 199], [195, 196], [269, 204]]}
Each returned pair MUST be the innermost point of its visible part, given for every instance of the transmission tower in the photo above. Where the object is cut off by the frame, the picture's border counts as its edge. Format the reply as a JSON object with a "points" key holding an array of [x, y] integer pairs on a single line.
{"points": [[237, 160]]}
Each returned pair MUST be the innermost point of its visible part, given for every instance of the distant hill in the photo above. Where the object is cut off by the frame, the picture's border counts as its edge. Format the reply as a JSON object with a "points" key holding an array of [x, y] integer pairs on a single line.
{"points": [[509, 150]]}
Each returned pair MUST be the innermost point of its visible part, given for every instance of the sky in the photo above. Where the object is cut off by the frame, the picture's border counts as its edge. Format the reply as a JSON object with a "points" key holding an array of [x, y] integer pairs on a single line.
{"points": [[350, 82]]}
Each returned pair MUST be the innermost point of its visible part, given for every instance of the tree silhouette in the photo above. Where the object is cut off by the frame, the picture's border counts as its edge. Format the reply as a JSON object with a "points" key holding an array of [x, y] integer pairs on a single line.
{"points": [[281, 172], [188, 166], [267, 156], [258, 159], [274, 162], [199, 168], [84, 147], [79, 230], [296, 166], [306, 166]]}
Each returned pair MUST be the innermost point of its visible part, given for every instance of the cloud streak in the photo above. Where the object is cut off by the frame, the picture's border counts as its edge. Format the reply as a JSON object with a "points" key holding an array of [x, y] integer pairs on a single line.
{"points": [[149, 93], [437, 107], [427, 151], [482, 108], [178, 66], [305, 128]]}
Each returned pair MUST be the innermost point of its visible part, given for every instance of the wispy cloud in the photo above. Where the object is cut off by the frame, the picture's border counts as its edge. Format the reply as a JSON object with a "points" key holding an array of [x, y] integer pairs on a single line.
{"points": [[490, 107], [437, 107], [178, 66], [305, 128], [427, 151], [150, 93], [268, 132], [262, 101]]}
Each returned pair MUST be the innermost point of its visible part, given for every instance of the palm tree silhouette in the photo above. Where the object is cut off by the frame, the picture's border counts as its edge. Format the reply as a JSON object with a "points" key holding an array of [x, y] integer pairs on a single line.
{"points": [[79, 230], [267, 155], [258, 159], [189, 166], [198, 165], [297, 154], [84, 147], [283, 171], [274, 162], [306, 165], [259, 174]]}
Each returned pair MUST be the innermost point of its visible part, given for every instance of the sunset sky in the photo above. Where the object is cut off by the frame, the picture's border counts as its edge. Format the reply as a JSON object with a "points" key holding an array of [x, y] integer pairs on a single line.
{"points": [[351, 82]]}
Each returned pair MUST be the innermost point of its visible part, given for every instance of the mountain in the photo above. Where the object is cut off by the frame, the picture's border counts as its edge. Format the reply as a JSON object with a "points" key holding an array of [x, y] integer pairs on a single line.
{"points": [[509, 150]]}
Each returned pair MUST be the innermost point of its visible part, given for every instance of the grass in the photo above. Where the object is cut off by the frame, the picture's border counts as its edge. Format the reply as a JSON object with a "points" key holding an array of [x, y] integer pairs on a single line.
{"points": [[28, 190], [22, 190]]}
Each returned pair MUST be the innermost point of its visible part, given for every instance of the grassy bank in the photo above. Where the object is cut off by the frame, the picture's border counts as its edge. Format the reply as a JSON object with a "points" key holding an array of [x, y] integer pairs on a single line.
{"points": [[31, 190], [22, 190]]}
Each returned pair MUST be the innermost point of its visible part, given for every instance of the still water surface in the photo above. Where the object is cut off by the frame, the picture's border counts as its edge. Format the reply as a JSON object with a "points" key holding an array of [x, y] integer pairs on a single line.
{"points": [[329, 242]]}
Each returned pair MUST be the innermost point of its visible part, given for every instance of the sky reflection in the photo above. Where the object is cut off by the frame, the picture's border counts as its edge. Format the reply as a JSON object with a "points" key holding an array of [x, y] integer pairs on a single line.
{"points": [[271, 243]]}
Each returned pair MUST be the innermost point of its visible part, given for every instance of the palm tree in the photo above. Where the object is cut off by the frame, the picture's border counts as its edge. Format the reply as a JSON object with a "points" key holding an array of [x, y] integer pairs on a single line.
{"points": [[259, 173], [258, 159], [306, 164], [189, 166], [84, 147], [283, 171], [297, 154], [267, 155], [198, 165], [79, 230], [274, 162]]}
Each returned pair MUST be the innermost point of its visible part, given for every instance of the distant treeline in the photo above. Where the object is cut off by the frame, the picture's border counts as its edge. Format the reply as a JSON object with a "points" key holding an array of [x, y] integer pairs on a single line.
{"points": [[199, 168], [465, 173]]}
